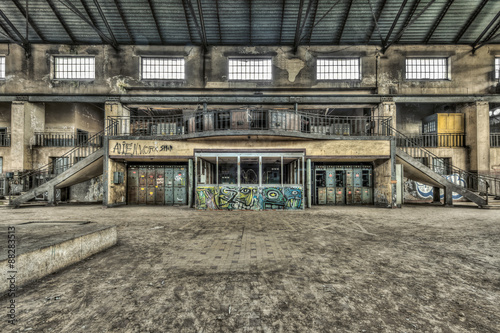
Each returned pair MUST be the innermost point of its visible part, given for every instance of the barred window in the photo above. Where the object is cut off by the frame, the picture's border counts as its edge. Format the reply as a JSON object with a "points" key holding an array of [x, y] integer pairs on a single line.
{"points": [[426, 68], [338, 69], [162, 68], [497, 68], [2, 68], [74, 68], [250, 69]]}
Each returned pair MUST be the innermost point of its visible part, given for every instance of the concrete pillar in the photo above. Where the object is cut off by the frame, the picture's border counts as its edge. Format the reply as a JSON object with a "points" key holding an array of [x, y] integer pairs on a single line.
{"points": [[436, 195], [121, 117], [448, 197], [190, 183], [477, 135], [385, 109], [309, 183], [51, 196], [26, 119]]}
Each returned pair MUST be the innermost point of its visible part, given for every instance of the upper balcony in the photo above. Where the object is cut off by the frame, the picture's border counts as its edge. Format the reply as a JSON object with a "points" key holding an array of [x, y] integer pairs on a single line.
{"points": [[240, 122]]}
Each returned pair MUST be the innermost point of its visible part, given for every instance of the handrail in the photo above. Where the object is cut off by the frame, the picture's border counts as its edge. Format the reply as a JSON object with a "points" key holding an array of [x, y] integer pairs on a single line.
{"points": [[476, 182], [251, 120]]}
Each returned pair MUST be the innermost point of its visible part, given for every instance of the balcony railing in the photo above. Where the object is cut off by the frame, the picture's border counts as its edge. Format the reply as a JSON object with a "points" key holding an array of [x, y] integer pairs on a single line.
{"points": [[495, 140], [433, 140], [59, 139], [4, 139], [276, 122]]}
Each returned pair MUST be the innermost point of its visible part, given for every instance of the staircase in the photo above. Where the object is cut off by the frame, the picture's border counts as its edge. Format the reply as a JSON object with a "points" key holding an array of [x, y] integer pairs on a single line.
{"points": [[416, 161], [82, 163]]}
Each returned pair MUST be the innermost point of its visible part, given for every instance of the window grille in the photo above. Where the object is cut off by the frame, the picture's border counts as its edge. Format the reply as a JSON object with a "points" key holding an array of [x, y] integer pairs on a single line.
{"points": [[338, 69], [162, 68], [426, 68], [250, 69], [74, 68]]}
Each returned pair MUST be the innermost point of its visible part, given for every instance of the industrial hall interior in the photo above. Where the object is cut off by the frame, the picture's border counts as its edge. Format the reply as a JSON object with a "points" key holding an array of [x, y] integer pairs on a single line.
{"points": [[250, 105]]}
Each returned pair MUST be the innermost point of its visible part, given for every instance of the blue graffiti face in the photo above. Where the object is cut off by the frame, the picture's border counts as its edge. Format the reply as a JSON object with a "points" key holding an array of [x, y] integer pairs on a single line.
{"points": [[293, 198], [273, 198], [426, 192]]}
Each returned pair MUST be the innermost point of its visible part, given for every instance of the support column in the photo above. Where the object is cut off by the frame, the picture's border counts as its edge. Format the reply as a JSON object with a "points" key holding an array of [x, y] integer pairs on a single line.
{"points": [[51, 196], [477, 135], [190, 183], [385, 109], [122, 118], [309, 187], [436, 195], [448, 197], [26, 119]]}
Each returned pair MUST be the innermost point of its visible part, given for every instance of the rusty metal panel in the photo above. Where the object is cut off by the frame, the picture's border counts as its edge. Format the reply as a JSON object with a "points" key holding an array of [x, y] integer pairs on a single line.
{"points": [[151, 177], [142, 194], [133, 177], [330, 196], [169, 177], [321, 195], [169, 196], [150, 195], [348, 177], [356, 174], [160, 186], [349, 195], [142, 176], [330, 177], [340, 195], [180, 197], [357, 196], [133, 198], [366, 196]]}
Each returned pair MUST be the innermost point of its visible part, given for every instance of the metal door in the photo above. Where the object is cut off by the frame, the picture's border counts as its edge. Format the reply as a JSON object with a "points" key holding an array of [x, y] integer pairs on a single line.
{"points": [[348, 177], [357, 182], [180, 195], [349, 195], [142, 194], [169, 177], [169, 195], [321, 195], [160, 186], [340, 195], [357, 196], [180, 176], [330, 195], [366, 196], [151, 175], [330, 177], [142, 176]]}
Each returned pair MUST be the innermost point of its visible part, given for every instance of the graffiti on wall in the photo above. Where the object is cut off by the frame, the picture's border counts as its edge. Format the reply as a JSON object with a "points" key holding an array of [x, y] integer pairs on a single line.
{"points": [[418, 191], [248, 198]]}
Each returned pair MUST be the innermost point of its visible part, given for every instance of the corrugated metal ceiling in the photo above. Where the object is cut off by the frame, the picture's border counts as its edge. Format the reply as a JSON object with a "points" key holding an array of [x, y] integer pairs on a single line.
{"points": [[251, 22]]}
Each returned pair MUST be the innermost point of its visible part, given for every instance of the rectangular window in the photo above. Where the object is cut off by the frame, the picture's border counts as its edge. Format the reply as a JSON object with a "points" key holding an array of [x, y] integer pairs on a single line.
{"points": [[2, 68], [426, 68], [497, 68], [74, 68], [338, 69], [162, 68], [250, 69]]}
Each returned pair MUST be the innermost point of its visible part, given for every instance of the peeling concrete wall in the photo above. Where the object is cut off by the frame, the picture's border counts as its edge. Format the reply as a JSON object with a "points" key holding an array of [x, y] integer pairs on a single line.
{"points": [[116, 193], [118, 72], [382, 187], [60, 117], [89, 118], [88, 191]]}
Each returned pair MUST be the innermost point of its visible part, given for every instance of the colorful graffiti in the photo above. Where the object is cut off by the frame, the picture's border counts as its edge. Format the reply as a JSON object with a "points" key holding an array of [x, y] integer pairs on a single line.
{"points": [[416, 190], [248, 198]]}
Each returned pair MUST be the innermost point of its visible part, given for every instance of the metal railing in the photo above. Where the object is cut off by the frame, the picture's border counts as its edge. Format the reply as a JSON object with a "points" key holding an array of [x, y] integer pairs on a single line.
{"points": [[35, 178], [275, 121], [4, 139], [58, 139], [484, 184], [495, 140], [435, 140]]}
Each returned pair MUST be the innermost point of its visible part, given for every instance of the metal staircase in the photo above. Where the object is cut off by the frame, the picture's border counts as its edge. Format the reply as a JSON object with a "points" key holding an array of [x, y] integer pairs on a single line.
{"points": [[417, 161], [83, 162]]}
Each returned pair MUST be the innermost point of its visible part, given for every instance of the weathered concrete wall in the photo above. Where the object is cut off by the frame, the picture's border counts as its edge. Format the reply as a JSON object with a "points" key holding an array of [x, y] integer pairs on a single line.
{"points": [[316, 148], [89, 118], [477, 130], [5, 111], [116, 193], [88, 191], [382, 187], [119, 71], [495, 160], [42, 156], [459, 156], [59, 117]]}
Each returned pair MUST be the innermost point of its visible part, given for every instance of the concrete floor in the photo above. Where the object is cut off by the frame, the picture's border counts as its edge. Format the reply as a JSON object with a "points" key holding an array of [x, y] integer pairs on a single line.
{"points": [[325, 269]]}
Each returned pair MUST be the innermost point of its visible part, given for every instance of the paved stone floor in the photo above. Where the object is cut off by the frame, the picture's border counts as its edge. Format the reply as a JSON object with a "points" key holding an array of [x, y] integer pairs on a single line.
{"points": [[325, 269]]}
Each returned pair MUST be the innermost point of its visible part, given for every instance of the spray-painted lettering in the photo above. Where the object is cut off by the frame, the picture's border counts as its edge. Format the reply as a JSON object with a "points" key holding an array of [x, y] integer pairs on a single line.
{"points": [[127, 148]]}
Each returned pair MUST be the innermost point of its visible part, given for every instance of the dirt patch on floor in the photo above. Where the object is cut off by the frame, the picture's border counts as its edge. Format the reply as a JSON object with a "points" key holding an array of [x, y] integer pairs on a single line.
{"points": [[342, 269]]}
